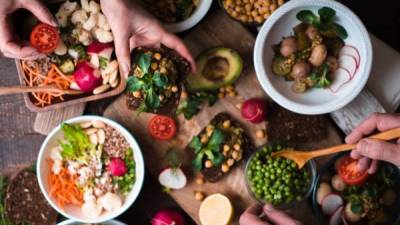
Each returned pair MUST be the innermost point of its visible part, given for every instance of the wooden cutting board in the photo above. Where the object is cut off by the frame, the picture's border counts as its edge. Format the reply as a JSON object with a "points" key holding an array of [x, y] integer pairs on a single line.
{"points": [[216, 30]]}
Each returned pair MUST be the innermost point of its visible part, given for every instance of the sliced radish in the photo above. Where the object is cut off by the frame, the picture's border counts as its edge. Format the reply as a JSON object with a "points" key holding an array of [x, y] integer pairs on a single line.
{"points": [[100, 49], [336, 217], [344, 220], [351, 51], [349, 63], [341, 77], [173, 178], [330, 203]]}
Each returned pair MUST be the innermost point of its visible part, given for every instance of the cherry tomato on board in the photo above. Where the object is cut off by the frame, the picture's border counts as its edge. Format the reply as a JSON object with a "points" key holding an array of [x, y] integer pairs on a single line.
{"points": [[44, 38], [348, 171], [162, 127]]}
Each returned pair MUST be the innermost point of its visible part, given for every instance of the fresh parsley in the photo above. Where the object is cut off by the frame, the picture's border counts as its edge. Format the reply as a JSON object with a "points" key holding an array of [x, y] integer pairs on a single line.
{"points": [[325, 22], [149, 84], [319, 76], [191, 106], [211, 150]]}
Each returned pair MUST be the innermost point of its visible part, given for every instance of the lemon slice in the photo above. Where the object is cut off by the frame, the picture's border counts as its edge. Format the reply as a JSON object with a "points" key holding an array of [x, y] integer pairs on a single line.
{"points": [[216, 209]]}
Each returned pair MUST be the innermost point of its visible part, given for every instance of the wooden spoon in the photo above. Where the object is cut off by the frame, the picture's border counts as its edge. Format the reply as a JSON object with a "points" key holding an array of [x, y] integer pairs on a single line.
{"points": [[302, 157], [26, 89]]}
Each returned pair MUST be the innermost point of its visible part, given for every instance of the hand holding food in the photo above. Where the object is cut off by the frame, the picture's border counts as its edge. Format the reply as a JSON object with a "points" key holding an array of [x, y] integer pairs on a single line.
{"points": [[368, 149], [9, 46], [275, 217], [133, 27]]}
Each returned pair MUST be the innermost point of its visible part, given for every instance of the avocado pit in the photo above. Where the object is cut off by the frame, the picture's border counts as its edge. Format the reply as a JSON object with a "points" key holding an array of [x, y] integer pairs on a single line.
{"points": [[216, 68]]}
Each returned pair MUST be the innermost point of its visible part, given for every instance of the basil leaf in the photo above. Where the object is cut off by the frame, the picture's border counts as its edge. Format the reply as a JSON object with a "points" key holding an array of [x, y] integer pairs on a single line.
{"points": [[133, 84], [197, 163], [340, 31], [308, 16], [151, 99], [144, 62], [326, 14], [217, 137], [160, 81], [196, 144]]}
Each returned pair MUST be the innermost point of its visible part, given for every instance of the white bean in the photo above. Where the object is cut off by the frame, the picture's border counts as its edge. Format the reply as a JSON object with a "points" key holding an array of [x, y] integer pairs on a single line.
{"points": [[62, 19], [113, 76], [85, 125], [101, 136], [102, 22], [103, 36], [111, 67], [79, 17], [101, 89], [98, 124], [94, 60], [115, 84], [90, 131], [85, 5], [93, 139], [94, 7], [68, 7], [91, 22]]}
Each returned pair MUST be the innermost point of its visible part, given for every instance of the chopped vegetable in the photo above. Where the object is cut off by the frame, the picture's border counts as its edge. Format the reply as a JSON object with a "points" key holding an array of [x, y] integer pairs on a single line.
{"points": [[67, 67], [173, 178], [126, 182], [44, 38], [117, 167], [162, 127]]}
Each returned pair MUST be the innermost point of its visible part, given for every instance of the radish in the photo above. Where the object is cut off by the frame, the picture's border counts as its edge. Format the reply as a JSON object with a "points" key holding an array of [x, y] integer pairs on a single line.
{"points": [[87, 77], [351, 51], [349, 63], [336, 217], [323, 190], [173, 178], [100, 49], [168, 217], [254, 110], [117, 167], [330, 203], [341, 77]]}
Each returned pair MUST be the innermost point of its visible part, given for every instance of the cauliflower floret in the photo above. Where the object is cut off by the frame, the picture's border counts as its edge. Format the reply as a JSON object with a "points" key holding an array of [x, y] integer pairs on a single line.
{"points": [[102, 22], [103, 36], [83, 36], [79, 17], [110, 202], [85, 5], [91, 22]]}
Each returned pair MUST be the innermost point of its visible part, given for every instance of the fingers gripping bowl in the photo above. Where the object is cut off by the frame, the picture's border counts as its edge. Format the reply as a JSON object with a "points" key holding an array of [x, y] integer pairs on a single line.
{"points": [[314, 100], [100, 165]]}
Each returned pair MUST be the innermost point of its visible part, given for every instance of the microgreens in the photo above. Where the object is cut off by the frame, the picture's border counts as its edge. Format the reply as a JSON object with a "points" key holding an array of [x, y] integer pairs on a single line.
{"points": [[211, 150]]}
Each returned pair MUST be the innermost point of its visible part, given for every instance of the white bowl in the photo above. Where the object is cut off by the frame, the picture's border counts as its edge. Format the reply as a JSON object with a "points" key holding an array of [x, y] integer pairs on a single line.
{"points": [[198, 14], [74, 212], [71, 222], [315, 100]]}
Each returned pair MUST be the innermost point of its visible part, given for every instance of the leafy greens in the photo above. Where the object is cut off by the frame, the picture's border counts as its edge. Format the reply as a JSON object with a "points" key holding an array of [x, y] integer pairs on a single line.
{"points": [[191, 106], [76, 141], [211, 150]]}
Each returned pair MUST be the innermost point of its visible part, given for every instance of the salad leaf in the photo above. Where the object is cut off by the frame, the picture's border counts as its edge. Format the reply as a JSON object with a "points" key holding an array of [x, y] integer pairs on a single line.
{"points": [[144, 62], [326, 14], [340, 31], [80, 49], [76, 141], [196, 144], [151, 99], [191, 106], [160, 81], [320, 77], [198, 161], [134, 84], [217, 138], [307, 16]]}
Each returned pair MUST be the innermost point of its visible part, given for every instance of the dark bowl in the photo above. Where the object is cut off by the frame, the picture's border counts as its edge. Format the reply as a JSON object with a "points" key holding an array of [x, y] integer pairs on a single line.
{"points": [[329, 168]]}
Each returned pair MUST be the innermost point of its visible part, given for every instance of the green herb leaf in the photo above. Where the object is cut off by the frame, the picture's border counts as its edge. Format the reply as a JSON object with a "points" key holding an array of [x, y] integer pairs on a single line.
{"points": [[134, 84], [340, 31], [307, 16], [160, 81], [144, 62], [151, 99], [218, 158], [217, 137], [103, 61], [80, 49], [191, 106], [76, 142], [197, 163], [357, 207], [326, 14], [321, 77], [196, 144]]}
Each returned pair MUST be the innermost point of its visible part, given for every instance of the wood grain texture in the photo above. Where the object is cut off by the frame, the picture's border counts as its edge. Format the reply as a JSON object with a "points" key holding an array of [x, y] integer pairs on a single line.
{"points": [[216, 30]]}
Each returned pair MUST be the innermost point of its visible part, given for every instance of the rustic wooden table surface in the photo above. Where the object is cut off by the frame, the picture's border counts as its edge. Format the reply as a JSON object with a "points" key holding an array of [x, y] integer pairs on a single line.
{"points": [[19, 144]]}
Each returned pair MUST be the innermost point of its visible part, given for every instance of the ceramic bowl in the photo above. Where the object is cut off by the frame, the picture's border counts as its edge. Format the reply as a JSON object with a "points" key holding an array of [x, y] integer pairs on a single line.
{"points": [[71, 222], [314, 100]]}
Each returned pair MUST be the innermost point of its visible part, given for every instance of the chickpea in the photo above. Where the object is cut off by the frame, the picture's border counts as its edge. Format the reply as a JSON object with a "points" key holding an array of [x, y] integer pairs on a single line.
{"points": [[200, 180], [318, 55], [235, 155], [225, 168], [157, 56], [163, 70], [226, 124], [288, 46], [281, 2], [221, 95], [208, 164], [174, 89], [230, 162], [137, 94], [184, 95], [300, 70], [237, 147], [273, 7], [154, 66], [199, 196], [239, 105], [229, 88], [226, 148], [204, 139], [260, 134]]}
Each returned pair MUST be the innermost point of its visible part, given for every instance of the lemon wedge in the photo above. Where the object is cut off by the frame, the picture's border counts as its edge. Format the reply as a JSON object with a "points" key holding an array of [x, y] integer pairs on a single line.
{"points": [[216, 209]]}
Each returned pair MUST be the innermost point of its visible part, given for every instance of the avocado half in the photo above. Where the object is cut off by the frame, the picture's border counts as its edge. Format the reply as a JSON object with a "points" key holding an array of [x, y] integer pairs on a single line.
{"points": [[216, 67]]}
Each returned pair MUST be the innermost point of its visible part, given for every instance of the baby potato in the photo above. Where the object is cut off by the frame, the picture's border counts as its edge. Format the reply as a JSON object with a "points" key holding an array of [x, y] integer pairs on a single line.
{"points": [[288, 46], [318, 55]]}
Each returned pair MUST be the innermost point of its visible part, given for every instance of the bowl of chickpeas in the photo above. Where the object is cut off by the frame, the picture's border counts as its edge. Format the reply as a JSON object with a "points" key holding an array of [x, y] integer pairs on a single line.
{"points": [[250, 12]]}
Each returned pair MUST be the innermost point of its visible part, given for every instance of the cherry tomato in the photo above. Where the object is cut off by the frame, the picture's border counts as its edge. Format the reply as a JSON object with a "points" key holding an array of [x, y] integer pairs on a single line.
{"points": [[162, 127], [348, 171], [44, 38]]}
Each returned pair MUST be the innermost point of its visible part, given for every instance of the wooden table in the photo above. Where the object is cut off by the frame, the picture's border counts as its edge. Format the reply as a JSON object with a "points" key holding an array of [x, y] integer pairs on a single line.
{"points": [[20, 145]]}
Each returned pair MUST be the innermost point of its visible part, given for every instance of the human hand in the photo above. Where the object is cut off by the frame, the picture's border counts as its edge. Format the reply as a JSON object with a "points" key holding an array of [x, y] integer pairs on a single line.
{"points": [[273, 216], [133, 27], [368, 151], [8, 43]]}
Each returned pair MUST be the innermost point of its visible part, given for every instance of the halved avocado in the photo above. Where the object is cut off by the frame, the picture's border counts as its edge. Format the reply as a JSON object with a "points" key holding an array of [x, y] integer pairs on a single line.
{"points": [[216, 67]]}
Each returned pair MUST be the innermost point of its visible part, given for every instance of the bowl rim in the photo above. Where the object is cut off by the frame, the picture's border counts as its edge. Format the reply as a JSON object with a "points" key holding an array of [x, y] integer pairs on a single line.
{"points": [[285, 102], [70, 222], [310, 164], [199, 13], [139, 162]]}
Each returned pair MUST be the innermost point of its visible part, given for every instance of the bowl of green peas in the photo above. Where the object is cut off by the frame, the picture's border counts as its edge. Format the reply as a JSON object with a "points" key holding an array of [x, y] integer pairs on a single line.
{"points": [[277, 180]]}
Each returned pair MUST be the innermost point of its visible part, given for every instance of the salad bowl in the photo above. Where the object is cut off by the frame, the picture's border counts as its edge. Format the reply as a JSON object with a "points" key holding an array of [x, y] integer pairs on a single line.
{"points": [[71, 222], [76, 212], [315, 100]]}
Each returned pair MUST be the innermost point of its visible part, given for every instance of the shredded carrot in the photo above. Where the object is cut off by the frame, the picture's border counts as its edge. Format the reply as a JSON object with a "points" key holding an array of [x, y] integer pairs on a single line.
{"points": [[63, 188], [54, 76]]}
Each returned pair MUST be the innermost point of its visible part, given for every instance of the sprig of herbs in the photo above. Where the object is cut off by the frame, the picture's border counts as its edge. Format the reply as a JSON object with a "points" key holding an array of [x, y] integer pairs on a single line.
{"points": [[320, 76], [149, 83], [325, 22], [192, 105], [211, 150]]}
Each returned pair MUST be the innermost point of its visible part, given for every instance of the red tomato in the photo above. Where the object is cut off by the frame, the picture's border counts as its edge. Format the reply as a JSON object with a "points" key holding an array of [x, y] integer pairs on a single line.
{"points": [[162, 127], [44, 38], [348, 171]]}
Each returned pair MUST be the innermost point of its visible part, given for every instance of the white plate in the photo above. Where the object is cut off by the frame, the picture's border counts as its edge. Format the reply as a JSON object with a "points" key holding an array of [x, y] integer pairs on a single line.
{"points": [[199, 13], [315, 100], [71, 222], [74, 212]]}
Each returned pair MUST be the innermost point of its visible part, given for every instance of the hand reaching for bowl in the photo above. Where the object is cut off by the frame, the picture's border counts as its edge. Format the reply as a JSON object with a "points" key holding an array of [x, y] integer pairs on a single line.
{"points": [[133, 27], [9, 47], [368, 151], [273, 216]]}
